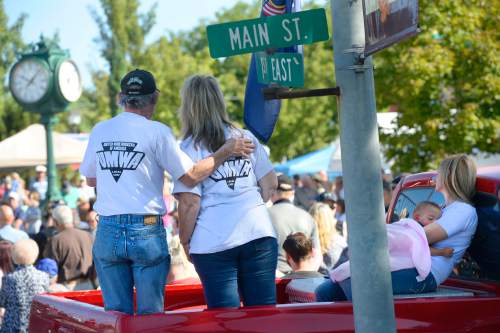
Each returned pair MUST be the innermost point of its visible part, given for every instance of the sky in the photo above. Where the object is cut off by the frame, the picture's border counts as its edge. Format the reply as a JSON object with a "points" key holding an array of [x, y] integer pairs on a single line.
{"points": [[77, 29]]}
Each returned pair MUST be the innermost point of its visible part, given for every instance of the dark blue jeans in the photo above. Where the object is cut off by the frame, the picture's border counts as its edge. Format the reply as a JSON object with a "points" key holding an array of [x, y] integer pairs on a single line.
{"points": [[249, 268], [128, 253], [403, 282]]}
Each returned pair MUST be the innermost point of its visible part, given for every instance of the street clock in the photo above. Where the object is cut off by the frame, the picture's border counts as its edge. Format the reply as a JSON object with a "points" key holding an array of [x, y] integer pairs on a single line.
{"points": [[68, 82], [45, 80], [30, 80]]}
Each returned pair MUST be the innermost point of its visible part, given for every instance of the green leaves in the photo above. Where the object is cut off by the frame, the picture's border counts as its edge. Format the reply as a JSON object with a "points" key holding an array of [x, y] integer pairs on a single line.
{"points": [[445, 84], [122, 32], [12, 117]]}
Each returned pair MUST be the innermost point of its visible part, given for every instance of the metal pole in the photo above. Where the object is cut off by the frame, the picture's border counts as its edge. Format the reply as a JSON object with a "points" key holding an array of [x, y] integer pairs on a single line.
{"points": [[370, 273], [285, 93], [53, 192]]}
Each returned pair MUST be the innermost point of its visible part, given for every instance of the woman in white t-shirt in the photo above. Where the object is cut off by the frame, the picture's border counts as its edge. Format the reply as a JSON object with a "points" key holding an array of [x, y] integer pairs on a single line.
{"points": [[224, 224], [455, 228]]}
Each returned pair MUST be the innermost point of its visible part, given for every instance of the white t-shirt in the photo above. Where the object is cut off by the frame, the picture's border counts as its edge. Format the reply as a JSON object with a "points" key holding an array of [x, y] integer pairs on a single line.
{"points": [[459, 220], [128, 155], [232, 211]]}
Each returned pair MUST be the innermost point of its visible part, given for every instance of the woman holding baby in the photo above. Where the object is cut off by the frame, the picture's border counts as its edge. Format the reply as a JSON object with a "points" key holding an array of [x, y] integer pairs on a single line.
{"points": [[456, 180]]}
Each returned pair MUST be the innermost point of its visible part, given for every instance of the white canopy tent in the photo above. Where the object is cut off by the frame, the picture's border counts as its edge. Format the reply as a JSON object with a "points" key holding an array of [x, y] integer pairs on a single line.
{"points": [[28, 148]]}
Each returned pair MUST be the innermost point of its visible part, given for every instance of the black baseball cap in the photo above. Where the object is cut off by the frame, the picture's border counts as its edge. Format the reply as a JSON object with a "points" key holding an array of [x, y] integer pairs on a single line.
{"points": [[284, 183], [138, 82]]}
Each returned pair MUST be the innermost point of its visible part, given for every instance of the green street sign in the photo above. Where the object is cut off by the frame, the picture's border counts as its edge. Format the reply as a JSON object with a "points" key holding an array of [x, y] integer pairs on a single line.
{"points": [[248, 36], [285, 69]]}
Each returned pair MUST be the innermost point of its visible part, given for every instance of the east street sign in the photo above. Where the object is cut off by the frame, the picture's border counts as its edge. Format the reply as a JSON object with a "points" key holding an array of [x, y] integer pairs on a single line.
{"points": [[271, 32], [285, 69]]}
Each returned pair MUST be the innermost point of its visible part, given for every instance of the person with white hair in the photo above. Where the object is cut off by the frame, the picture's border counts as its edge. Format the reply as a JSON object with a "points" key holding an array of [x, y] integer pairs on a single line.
{"points": [[20, 286], [181, 270], [71, 248]]}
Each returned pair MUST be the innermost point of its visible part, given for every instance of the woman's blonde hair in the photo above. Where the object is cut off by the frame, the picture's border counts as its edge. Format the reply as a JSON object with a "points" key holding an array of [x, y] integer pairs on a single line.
{"points": [[457, 175], [203, 112], [325, 223], [25, 252]]}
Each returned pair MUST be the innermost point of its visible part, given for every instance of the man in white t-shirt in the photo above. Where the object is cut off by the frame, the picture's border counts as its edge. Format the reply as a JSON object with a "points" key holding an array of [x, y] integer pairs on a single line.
{"points": [[126, 158]]}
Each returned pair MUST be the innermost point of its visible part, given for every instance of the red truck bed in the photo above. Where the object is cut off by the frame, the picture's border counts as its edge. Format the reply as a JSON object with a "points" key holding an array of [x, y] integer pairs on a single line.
{"points": [[465, 306]]}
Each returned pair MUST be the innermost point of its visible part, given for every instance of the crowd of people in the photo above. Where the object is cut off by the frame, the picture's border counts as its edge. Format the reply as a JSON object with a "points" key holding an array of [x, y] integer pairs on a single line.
{"points": [[44, 246]]}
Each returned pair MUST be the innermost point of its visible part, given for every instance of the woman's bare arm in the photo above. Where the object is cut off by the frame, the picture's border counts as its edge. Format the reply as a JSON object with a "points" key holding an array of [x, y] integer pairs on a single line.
{"points": [[434, 233], [189, 207], [268, 185], [204, 168]]}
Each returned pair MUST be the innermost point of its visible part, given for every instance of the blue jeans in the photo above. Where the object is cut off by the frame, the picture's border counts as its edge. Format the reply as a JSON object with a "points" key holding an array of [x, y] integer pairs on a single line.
{"points": [[403, 282], [250, 267], [128, 253]]}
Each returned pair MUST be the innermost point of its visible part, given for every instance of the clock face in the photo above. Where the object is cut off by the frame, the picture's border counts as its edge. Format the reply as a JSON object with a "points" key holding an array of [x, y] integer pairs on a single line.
{"points": [[29, 81], [68, 80]]}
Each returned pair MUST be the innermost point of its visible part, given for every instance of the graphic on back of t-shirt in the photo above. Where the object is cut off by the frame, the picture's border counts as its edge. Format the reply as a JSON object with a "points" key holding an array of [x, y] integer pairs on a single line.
{"points": [[231, 170], [118, 156]]}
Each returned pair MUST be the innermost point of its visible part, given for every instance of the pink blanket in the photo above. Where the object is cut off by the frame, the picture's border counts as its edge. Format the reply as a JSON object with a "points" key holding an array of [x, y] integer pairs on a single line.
{"points": [[408, 248]]}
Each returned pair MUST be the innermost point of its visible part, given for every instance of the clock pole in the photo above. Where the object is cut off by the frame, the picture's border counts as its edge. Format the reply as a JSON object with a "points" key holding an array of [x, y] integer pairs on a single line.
{"points": [[53, 193], [46, 65]]}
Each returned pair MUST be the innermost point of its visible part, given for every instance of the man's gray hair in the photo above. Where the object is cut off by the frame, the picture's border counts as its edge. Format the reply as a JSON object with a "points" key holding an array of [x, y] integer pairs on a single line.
{"points": [[63, 215], [136, 102]]}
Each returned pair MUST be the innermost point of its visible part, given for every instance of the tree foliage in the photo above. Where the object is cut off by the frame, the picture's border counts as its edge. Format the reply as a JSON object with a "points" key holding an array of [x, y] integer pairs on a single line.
{"points": [[445, 83], [122, 33], [12, 117]]}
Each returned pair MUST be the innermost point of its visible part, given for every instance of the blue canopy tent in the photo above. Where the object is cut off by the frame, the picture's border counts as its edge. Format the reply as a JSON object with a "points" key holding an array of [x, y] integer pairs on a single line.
{"points": [[326, 159]]}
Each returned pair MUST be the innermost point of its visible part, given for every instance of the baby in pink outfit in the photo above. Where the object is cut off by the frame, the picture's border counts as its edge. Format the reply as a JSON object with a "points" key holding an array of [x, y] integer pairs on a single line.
{"points": [[408, 245], [428, 212]]}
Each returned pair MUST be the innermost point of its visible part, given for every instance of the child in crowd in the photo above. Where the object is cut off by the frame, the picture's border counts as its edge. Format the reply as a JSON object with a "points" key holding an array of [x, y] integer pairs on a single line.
{"points": [[49, 266]]}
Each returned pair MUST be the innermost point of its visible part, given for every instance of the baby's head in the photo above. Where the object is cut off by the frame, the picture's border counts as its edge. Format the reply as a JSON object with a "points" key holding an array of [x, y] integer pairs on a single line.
{"points": [[427, 212]]}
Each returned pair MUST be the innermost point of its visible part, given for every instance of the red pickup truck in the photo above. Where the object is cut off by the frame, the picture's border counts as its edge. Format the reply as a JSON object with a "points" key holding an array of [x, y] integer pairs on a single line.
{"points": [[461, 304]]}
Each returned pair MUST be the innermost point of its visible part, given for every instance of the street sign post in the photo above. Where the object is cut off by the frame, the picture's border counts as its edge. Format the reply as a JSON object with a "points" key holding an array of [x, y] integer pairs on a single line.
{"points": [[372, 301], [271, 32], [284, 69], [388, 22]]}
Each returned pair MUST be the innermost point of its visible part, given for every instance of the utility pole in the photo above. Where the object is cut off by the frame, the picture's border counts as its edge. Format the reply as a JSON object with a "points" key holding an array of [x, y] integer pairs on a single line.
{"points": [[370, 273]]}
